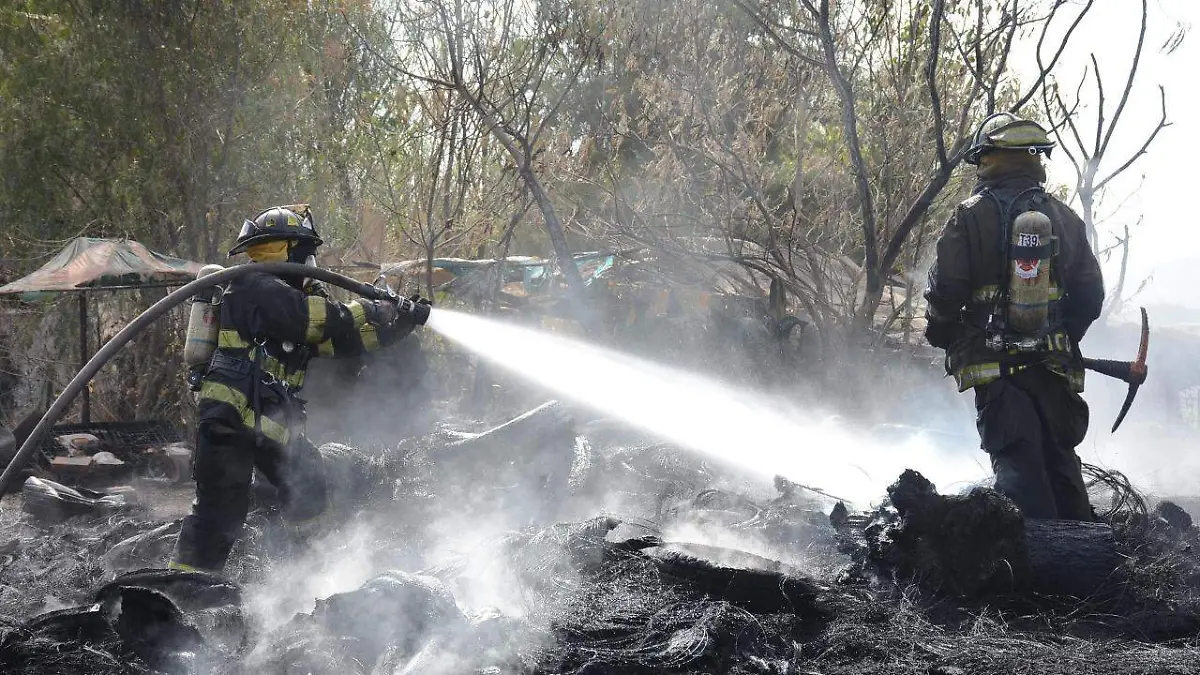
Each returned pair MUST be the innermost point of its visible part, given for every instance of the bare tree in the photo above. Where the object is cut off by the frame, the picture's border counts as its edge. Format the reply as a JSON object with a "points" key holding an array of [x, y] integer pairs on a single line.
{"points": [[434, 178], [973, 39], [806, 143], [514, 64], [1087, 148]]}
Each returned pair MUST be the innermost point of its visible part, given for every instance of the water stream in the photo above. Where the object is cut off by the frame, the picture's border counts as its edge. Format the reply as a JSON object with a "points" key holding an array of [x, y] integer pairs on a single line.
{"points": [[751, 431]]}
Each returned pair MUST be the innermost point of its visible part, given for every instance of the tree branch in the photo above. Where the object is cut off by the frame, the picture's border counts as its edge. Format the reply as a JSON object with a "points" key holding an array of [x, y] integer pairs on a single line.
{"points": [[1001, 67], [1137, 58], [916, 212], [770, 29], [931, 64], [1162, 124], [1062, 46], [857, 164]]}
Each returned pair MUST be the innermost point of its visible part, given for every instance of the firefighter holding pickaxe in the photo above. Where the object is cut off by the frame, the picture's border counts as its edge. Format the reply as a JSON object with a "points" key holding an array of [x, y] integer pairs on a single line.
{"points": [[1013, 290]]}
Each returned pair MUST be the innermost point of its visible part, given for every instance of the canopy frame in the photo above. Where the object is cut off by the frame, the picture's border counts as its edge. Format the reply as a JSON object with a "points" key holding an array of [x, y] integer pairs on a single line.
{"points": [[86, 264]]}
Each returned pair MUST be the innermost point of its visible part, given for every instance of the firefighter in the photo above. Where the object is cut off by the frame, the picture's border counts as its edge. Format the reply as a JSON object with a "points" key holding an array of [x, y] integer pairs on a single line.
{"points": [[250, 415], [1009, 304]]}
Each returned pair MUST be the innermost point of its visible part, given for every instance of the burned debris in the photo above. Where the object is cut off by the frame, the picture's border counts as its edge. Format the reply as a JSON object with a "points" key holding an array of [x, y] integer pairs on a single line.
{"points": [[713, 578], [979, 544]]}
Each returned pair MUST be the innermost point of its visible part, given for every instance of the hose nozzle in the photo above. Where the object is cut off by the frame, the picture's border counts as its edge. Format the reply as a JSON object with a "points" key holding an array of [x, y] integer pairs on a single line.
{"points": [[416, 307]]}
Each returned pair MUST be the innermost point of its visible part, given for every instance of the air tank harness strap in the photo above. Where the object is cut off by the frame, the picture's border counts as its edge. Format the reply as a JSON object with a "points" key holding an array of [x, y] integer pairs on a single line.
{"points": [[1047, 250], [280, 388], [256, 389], [230, 365], [1005, 205], [983, 373]]}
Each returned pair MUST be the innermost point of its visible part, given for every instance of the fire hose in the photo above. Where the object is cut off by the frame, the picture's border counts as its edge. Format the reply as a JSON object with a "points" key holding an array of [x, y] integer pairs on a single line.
{"points": [[177, 297]]}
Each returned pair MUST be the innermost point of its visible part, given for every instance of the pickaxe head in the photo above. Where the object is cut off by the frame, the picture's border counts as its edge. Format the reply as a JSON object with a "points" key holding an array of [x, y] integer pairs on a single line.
{"points": [[1137, 370], [1131, 372]]}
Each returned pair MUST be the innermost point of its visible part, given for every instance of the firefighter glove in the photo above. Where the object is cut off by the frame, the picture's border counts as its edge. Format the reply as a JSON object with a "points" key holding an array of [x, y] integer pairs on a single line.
{"points": [[381, 312]]}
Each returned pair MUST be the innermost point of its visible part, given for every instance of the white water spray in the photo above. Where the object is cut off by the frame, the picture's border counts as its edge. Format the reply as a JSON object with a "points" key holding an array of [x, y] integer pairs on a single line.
{"points": [[744, 429]]}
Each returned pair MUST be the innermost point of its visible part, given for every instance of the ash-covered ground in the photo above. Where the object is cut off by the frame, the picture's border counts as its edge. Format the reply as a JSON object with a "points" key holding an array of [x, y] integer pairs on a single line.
{"points": [[558, 544]]}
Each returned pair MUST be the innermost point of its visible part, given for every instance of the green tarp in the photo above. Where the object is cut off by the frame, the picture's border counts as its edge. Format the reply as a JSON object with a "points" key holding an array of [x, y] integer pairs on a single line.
{"points": [[104, 263]]}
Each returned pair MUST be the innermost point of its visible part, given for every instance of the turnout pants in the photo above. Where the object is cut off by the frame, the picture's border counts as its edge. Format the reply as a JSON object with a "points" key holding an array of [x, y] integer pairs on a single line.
{"points": [[1030, 423], [223, 470]]}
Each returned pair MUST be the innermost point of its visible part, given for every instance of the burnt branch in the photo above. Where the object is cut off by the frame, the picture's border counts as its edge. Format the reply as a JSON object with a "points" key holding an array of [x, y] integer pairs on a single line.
{"points": [[931, 64], [1162, 124], [1046, 68], [1101, 148]]}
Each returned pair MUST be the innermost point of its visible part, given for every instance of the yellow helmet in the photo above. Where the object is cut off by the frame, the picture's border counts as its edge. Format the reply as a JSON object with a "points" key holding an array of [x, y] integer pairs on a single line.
{"points": [[1006, 131]]}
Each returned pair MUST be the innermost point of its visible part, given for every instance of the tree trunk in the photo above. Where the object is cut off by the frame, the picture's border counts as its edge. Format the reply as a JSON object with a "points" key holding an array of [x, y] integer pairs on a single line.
{"points": [[429, 268], [554, 228], [1067, 557], [1115, 299], [912, 218], [558, 237], [1087, 205], [978, 544]]}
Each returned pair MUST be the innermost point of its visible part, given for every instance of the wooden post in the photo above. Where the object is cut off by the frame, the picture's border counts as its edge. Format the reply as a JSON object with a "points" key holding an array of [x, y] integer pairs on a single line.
{"points": [[85, 408]]}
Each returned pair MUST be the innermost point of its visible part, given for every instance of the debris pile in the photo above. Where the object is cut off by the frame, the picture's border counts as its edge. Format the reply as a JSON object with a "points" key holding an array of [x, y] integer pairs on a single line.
{"points": [[150, 621], [49, 501], [699, 574], [102, 454], [1132, 574]]}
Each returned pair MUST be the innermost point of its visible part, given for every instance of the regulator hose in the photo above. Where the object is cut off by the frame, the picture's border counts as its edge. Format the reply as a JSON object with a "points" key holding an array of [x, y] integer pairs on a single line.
{"points": [[144, 319]]}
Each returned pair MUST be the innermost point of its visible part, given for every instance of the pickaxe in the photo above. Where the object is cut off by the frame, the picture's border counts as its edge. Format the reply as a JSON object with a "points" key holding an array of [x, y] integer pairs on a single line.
{"points": [[1131, 372]]}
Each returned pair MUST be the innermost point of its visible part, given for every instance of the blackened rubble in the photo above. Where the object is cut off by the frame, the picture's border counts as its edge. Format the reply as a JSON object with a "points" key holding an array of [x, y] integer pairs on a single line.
{"points": [[699, 574]]}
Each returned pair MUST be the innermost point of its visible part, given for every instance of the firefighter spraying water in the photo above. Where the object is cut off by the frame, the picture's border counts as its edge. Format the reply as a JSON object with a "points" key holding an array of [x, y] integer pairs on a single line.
{"points": [[252, 330], [248, 368]]}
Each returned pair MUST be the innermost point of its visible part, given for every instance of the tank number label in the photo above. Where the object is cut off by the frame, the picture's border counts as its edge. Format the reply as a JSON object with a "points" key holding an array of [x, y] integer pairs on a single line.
{"points": [[1027, 269]]}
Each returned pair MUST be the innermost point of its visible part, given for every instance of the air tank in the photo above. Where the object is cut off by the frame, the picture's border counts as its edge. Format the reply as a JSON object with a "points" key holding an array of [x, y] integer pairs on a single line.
{"points": [[204, 322], [1029, 283]]}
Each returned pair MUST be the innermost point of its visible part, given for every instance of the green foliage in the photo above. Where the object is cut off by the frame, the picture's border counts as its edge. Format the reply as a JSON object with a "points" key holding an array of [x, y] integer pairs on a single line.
{"points": [[169, 122], [707, 131]]}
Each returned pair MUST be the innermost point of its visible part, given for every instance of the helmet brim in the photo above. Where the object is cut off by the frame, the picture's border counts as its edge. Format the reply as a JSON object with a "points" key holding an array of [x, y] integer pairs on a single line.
{"points": [[271, 236], [975, 154]]}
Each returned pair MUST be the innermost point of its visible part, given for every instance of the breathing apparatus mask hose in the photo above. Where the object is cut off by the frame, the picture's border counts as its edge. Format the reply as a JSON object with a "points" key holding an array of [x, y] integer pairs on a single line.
{"points": [[133, 328], [303, 253]]}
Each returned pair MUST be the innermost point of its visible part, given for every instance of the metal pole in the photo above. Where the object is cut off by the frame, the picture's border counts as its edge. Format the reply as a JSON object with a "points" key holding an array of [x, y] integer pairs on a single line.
{"points": [[85, 408]]}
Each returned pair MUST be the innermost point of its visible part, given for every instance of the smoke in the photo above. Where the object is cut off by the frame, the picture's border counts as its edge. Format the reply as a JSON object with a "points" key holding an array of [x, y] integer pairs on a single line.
{"points": [[371, 401], [691, 532], [336, 563], [461, 531], [754, 433], [468, 545], [1156, 444]]}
